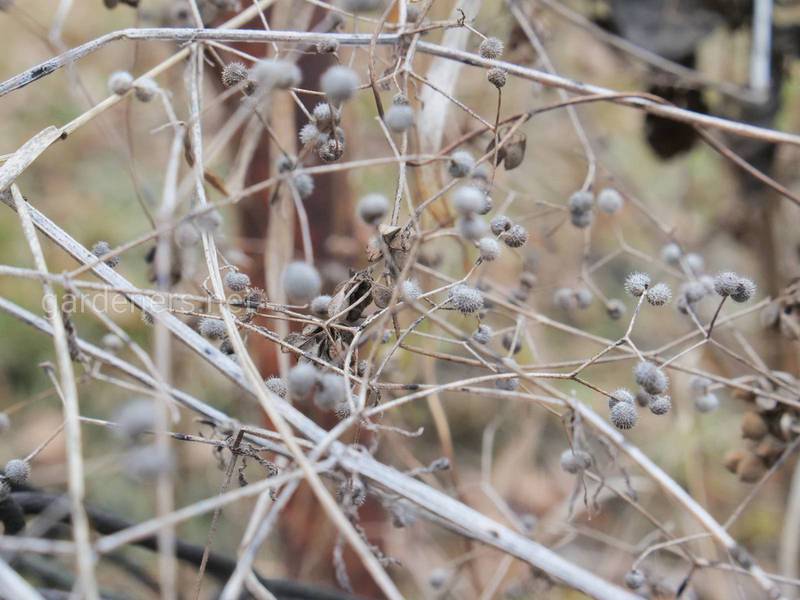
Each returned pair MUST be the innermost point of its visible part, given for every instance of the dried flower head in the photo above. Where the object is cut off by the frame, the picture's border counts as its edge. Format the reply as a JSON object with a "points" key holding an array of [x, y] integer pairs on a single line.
{"points": [[489, 249], [583, 297], [499, 224], [237, 282], [671, 253], [659, 295], [410, 290], [372, 208], [637, 283], [615, 308], [620, 395], [213, 329], [339, 83], [399, 117], [468, 199], [491, 48], [564, 298], [100, 249], [308, 133], [277, 386], [575, 461], [609, 201], [693, 291], [320, 304], [461, 164], [302, 379], [301, 282], [145, 89], [331, 391], [303, 183], [510, 344], [483, 334], [497, 77], [471, 227], [466, 299], [694, 262], [624, 415], [120, 82], [233, 74], [634, 579], [581, 220], [17, 471], [580, 202], [706, 403], [660, 405], [515, 237], [276, 73], [650, 377]]}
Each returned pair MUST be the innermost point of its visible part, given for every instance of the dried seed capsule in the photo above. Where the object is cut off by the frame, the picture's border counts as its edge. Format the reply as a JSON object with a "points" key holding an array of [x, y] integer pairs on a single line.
{"points": [[400, 115], [304, 184], [491, 48], [694, 262], [331, 391], [145, 89], [327, 46], [623, 415], [650, 377], [308, 133], [745, 289], [693, 291], [483, 334], [750, 468], [753, 426], [302, 379], [634, 579], [564, 298], [583, 298], [620, 395], [615, 309], [499, 224], [659, 294], [515, 237], [461, 164], [372, 208], [410, 290], [276, 73], [671, 253], [580, 202], [120, 82], [339, 83], [213, 329], [509, 344], [609, 201], [237, 282], [466, 299], [660, 405], [637, 283], [301, 282], [102, 248], [17, 471], [471, 227], [233, 74], [575, 461], [320, 304], [468, 200], [489, 249], [277, 386], [643, 399], [497, 77], [705, 403]]}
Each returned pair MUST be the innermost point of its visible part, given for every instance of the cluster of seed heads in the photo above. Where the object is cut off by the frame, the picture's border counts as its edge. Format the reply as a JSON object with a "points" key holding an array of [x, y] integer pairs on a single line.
{"points": [[740, 289], [568, 299], [512, 234], [638, 284]]}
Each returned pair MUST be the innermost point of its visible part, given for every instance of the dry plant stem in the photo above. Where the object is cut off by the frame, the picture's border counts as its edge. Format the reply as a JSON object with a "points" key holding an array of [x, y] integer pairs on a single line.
{"points": [[85, 557], [266, 398], [12, 583]]}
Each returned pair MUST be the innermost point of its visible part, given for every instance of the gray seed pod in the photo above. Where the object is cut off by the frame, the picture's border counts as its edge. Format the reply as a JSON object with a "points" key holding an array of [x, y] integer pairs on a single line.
{"points": [[643, 399], [277, 386], [745, 289], [564, 298], [466, 299], [308, 133], [489, 249], [410, 290], [726, 283], [620, 395], [112, 342], [637, 283], [438, 578], [339, 83], [659, 294], [706, 403], [17, 471], [634, 579], [580, 202], [372, 208], [515, 237], [136, 418], [102, 248], [693, 291], [304, 184], [671, 253], [660, 405], [491, 48], [574, 461], [331, 391], [276, 73], [609, 201], [483, 334], [399, 117], [237, 282], [461, 164], [302, 379], [145, 89], [212, 329], [508, 385], [583, 298], [700, 384], [650, 377], [301, 282], [508, 340], [120, 82], [624, 415], [581, 220], [468, 199], [471, 227], [694, 262], [615, 309], [320, 304], [233, 74], [497, 77], [500, 224], [487, 205]]}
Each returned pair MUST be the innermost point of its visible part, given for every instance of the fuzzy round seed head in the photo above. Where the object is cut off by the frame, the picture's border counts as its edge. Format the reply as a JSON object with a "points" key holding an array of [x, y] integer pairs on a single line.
{"points": [[671, 253], [707, 402], [304, 184], [637, 283], [615, 309], [136, 418], [320, 304], [725, 283], [659, 295], [357, 6], [301, 282], [213, 329], [489, 249], [483, 334], [643, 399], [509, 344], [508, 385], [233, 74], [145, 89], [650, 377], [693, 291], [471, 227], [570, 462], [339, 83], [438, 578], [275, 73], [487, 205], [583, 298], [620, 395], [331, 391], [410, 290], [237, 282], [277, 386], [466, 299], [120, 82], [634, 579], [660, 405], [102, 248], [500, 224], [468, 199], [322, 114], [580, 202], [491, 48], [461, 164], [564, 298], [497, 77], [399, 117], [581, 220], [624, 415], [226, 347], [5, 423], [302, 379], [745, 289], [694, 262], [308, 133], [515, 237], [609, 201], [372, 208], [17, 471]]}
